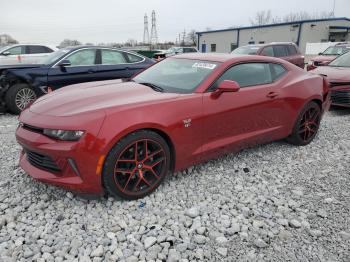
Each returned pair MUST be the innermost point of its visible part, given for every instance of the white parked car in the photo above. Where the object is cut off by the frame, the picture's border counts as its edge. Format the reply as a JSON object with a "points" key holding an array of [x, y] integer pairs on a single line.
{"points": [[24, 54]]}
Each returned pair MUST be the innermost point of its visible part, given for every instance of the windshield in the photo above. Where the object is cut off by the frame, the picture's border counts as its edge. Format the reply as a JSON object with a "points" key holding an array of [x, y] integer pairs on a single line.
{"points": [[336, 50], [54, 56], [246, 50], [176, 75], [341, 61], [4, 48]]}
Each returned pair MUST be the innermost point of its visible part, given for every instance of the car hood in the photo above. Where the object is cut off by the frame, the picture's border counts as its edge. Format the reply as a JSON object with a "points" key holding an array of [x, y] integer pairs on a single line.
{"points": [[87, 97], [324, 58], [334, 74]]}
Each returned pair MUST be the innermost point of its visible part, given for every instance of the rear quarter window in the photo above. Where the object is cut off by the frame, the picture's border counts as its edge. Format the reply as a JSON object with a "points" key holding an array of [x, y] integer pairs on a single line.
{"points": [[277, 71], [133, 58]]}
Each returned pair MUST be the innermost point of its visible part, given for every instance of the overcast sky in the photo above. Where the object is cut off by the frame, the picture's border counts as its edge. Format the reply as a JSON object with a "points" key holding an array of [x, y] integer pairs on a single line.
{"points": [[50, 21]]}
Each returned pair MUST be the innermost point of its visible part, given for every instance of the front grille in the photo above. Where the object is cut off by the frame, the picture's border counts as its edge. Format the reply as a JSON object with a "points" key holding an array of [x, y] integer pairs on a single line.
{"points": [[340, 97], [42, 162]]}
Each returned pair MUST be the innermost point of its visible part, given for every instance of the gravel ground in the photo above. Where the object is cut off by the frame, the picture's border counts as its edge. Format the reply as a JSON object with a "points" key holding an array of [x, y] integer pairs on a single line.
{"points": [[275, 202]]}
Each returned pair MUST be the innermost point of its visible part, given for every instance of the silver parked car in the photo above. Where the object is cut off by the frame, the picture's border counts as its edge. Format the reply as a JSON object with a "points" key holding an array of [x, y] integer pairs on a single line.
{"points": [[174, 51], [24, 54]]}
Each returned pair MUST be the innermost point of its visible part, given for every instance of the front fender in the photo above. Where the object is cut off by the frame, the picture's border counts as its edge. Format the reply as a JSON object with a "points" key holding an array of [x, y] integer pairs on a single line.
{"points": [[35, 78], [113, 135]]}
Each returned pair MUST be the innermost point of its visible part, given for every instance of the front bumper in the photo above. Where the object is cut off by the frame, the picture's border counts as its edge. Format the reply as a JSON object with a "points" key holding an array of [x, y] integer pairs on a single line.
{"points": [[340, 96], [71, 165]]}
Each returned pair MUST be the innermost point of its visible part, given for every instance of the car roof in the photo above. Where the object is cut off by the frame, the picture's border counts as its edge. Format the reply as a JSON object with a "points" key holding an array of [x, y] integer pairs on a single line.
{"points": [[223, 57], [90, 46], [342, 45], [269, 44]]}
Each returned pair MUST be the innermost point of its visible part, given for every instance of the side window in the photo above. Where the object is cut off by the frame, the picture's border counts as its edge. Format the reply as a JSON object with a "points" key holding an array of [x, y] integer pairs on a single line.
{"points": [[189, 50], [292, 50], [83, 57], [17, 50], [48, 49], [133, 58], [36, 49], [277, 71], [280, 51], [112, 57], [268, 51], [249, 74]]}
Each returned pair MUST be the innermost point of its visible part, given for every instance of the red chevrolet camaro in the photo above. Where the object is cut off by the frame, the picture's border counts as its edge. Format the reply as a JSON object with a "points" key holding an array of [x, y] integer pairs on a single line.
{"points": [[338, 74], [124, 137]]}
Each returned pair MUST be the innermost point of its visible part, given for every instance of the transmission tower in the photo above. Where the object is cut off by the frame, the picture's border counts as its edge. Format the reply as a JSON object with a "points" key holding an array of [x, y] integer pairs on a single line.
{"points": [[145, 31], [154, 35]]}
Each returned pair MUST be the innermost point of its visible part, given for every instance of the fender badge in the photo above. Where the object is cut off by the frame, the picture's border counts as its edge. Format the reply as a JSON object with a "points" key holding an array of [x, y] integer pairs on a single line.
{"points": [[187, 122]]}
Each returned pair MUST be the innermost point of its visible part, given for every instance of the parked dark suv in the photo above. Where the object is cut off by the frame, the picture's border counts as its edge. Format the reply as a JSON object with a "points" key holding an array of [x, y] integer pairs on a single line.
{"points": [[286, 51], [22, 84]]}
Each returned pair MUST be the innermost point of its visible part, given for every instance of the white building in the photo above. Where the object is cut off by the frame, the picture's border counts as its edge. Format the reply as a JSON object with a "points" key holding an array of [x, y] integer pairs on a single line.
{"points": [[299, 32]]}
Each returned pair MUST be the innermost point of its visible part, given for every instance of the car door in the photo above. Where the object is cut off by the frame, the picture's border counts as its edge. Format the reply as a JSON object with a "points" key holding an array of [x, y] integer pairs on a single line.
{"points": [[254, 114], [295, 57], [112, 64], [281, 51], [12, 55], [35, 53], [82, 68]]}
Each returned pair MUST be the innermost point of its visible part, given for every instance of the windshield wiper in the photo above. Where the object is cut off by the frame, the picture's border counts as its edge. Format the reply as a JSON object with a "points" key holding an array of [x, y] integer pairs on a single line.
{"points": [[153, 86]]}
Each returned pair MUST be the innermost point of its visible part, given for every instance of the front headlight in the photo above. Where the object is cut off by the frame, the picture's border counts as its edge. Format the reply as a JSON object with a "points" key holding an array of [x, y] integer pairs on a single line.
{"points": [[64, 135]]}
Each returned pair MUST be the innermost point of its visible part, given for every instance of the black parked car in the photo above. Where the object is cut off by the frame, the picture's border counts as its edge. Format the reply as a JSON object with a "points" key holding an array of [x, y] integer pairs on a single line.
{"points": [[22, 84]]}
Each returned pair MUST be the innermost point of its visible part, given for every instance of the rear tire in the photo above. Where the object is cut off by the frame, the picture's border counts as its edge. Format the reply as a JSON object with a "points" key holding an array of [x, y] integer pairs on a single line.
{"points": [[18, 97], [136, 165], [306, 126]]}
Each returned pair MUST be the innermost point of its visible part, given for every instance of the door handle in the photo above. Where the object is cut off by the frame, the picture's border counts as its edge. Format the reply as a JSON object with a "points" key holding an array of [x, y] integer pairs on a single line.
{"points": [[90, 71], [272, 95]]}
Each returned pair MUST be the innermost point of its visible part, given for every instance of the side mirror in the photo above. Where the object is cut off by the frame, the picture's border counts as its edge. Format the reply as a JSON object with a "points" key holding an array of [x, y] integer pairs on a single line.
{"points": [[6, 53], [320, 53], [228, 86], [65, 63], [225, 86]]}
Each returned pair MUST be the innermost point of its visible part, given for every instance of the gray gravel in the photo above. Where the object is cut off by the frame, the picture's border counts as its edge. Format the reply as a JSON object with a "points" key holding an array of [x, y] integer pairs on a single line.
{"points": [[275, 202]]}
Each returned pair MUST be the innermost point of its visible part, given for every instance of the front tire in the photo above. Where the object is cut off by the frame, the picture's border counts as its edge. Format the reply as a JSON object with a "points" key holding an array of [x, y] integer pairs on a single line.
{"points": [[136, 165], [18, 97], [306, 126]]}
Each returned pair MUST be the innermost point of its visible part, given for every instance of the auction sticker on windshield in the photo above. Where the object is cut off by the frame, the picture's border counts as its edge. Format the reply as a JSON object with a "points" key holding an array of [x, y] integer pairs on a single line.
{"points": [[204, 65]]}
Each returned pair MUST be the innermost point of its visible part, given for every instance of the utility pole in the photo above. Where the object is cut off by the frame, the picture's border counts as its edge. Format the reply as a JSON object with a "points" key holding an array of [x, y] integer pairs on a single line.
{"points": [[333, 11], [183, 37]]}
